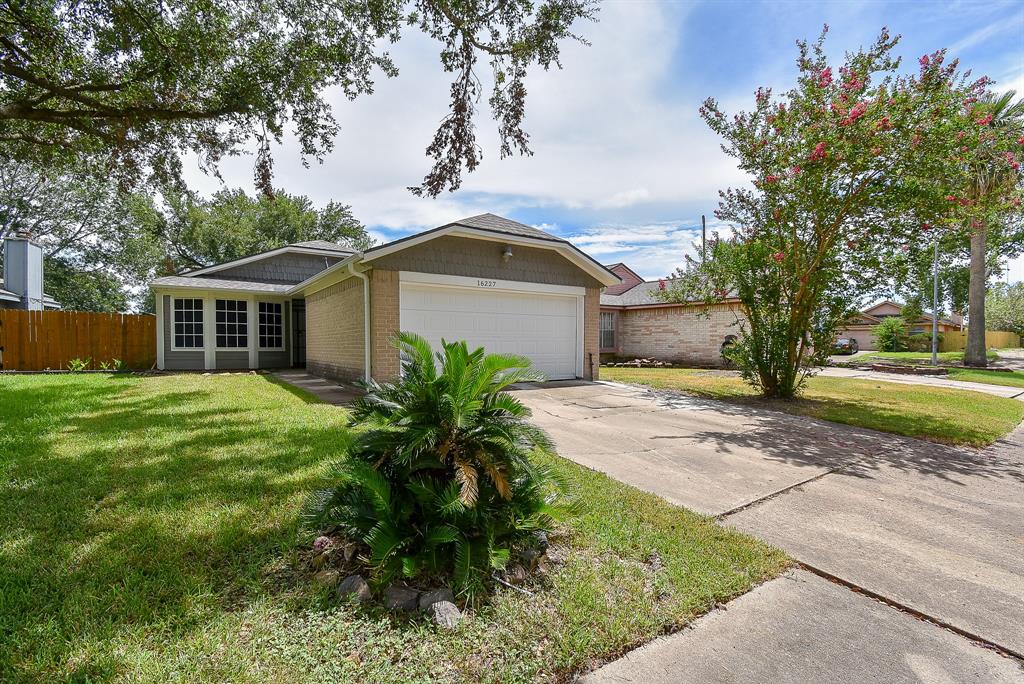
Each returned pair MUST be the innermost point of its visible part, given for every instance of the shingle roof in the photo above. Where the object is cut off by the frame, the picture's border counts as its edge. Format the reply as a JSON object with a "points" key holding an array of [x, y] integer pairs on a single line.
{"points": [[323, 244], [499, 224], [641, 293], [222, 284], [638, 295], [9, 296]]}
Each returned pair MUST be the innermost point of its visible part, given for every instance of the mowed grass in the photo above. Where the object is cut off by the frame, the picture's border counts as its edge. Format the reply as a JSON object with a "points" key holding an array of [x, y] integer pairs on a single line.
{"points": [[149, 531], [933, 413], [989, 377]]}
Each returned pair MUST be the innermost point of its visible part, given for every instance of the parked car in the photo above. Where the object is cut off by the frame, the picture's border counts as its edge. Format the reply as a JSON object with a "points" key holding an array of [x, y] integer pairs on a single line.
{"points": [[846, 345]]}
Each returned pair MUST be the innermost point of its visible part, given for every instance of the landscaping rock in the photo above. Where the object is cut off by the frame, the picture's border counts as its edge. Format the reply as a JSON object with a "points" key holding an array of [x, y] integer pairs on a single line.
{"points": [[354, 587], [516, 574], [429, 598], [445, 614], [401, 598], [326, 578]]}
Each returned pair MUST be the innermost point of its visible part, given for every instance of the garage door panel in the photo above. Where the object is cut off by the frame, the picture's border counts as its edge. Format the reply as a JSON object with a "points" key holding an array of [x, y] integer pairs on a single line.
{"points": [[542, 327]]}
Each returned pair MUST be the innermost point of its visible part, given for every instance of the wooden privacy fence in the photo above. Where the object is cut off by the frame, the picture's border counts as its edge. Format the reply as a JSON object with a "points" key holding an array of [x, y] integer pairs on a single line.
{"points": [[40, 340], [994, 339]]}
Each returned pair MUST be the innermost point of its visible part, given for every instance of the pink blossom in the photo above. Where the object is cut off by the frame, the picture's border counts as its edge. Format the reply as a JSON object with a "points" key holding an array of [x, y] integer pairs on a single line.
{"points": [[951, 198], [962, 134], [778, 256], [1016, 201], [926, 226], [1020, 140], [854, 83], [984, 121], [782, 108], [906, 248], [795, 169], [771, 178], [1011, 158], [923, 61], [856, 112], [825, 77], [975, 223], [819, 152]]}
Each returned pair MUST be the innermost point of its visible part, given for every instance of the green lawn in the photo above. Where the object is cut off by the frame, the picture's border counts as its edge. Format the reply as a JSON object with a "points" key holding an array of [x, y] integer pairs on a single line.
{"points": [[989, 377], [933, 413], [945, 357], [149, 532]]}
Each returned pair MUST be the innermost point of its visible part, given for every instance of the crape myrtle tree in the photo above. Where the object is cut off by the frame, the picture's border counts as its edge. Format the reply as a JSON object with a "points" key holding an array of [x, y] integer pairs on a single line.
{"points": [[131, 84], [849, 165]]}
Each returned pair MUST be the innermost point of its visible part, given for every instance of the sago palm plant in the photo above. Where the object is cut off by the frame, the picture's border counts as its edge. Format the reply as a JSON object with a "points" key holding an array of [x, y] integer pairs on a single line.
{"points": [[438, 479]]}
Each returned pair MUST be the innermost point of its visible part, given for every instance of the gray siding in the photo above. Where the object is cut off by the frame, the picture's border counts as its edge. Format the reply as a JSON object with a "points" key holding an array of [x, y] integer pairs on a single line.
{"points": [[283, 268], [233, 360], [459, 256], [178, 360]]}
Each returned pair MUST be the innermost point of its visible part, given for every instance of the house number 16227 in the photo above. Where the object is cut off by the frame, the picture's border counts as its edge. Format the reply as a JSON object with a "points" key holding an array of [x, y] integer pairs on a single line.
{"points": [[486, 283]]}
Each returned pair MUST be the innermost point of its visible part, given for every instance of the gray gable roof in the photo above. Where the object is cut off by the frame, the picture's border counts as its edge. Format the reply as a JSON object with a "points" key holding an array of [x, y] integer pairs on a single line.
{"points": [[324, 245], [639, 294], [499, 224], [222, 284]]}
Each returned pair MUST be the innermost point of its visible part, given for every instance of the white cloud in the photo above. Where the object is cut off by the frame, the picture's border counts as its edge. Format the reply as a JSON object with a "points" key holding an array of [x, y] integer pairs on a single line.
{"points": [[605, 133]]}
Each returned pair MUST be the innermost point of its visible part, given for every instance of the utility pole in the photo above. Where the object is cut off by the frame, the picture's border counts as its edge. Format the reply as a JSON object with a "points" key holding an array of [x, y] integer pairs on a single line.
{"points": [[703, 238], [935, 305]]}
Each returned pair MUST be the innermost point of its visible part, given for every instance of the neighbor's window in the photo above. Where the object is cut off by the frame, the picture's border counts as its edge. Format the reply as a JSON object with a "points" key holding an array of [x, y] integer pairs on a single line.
{"points": [[188, 323], [271, 326], [232, 324], [607, 330]]}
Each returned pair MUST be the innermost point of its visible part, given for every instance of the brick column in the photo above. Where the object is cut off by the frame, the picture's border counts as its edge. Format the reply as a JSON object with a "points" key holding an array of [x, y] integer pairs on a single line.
{"points": [[591, 334], [384, 324]]}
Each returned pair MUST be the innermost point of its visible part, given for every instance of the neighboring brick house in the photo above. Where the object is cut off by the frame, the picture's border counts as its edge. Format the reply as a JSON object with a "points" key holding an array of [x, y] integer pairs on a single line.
{"points": [[493, 282], [635, 323], [862, 327]]}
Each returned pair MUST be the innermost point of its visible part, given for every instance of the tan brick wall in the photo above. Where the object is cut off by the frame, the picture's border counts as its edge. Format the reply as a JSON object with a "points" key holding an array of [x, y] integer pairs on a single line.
{"points": [[591, 334], [677, 334], [384, 358], [334, 331]]}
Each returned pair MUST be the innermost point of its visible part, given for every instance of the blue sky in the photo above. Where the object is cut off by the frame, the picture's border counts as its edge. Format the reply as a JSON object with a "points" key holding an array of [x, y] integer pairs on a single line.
{"points": [[622, 164]]}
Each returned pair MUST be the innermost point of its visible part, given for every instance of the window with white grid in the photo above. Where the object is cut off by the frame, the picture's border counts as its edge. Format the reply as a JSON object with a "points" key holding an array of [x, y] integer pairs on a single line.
{"points": [[271, 325], [188, 323], [232, 324]]}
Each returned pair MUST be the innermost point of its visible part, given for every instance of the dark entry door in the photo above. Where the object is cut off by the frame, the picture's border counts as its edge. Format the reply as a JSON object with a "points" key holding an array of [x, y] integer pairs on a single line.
{"points": [[299, 332]]}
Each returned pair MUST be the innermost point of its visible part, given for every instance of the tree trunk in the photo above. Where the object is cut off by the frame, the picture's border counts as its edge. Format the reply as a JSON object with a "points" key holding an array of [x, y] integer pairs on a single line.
{"points": [[975, 353]]}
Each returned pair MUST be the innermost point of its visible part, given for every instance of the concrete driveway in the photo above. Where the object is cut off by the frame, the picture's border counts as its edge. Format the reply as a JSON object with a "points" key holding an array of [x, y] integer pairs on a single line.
{"points": [[931, 532]]}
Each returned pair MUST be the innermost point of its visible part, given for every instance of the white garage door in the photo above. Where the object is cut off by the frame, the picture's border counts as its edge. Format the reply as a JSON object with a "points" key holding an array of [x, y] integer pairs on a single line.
{"points": [[542, 327]]}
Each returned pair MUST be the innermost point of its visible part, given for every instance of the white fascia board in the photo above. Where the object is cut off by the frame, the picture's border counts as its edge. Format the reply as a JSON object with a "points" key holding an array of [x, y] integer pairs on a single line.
{"points": [[598, 272], [263, 255]]}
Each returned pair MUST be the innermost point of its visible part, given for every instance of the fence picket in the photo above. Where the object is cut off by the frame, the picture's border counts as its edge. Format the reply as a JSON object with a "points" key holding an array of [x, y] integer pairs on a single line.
{"points": [[37, 340]]}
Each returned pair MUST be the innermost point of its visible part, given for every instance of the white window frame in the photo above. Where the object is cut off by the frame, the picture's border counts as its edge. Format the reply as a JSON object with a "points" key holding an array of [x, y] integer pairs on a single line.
{"points": [[202, 311], [283, 325], [244, 347], [601, 331]]}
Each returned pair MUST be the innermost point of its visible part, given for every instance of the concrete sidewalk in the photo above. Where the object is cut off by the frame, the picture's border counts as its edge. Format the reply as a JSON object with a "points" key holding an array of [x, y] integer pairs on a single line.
{"points": [[324, 390], [801, 628], [931, 380]]}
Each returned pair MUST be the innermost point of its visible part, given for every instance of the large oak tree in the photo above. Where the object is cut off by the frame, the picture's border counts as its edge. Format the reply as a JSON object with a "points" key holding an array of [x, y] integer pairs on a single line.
{"points": [[131, 84]]}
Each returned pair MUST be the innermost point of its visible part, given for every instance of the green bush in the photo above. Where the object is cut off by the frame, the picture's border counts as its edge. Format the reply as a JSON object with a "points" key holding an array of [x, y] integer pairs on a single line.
{"points": [[890, 335], [921, 342], [438, 480]]}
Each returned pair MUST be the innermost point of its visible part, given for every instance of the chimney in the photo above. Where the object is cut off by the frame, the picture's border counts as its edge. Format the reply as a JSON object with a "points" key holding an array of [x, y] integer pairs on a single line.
{"points": [[23, 270]]}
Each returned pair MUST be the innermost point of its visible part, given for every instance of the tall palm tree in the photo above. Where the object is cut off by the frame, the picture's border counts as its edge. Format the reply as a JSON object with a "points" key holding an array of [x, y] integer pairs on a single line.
{"points": [[987, 177]]}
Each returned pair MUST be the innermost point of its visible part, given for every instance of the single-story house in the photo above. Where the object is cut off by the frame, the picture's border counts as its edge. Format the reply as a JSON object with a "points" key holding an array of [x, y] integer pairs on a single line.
{"points": [[22, 284], [485, 279], [636, 323], [862, 326]]}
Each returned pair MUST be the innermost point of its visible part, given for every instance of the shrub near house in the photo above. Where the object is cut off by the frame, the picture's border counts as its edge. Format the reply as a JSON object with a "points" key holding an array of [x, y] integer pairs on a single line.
{"points": [[440, 482]]}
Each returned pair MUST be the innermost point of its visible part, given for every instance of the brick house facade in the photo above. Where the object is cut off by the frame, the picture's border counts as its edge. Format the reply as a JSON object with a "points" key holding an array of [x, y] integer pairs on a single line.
{"points": [[635, 323]]}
